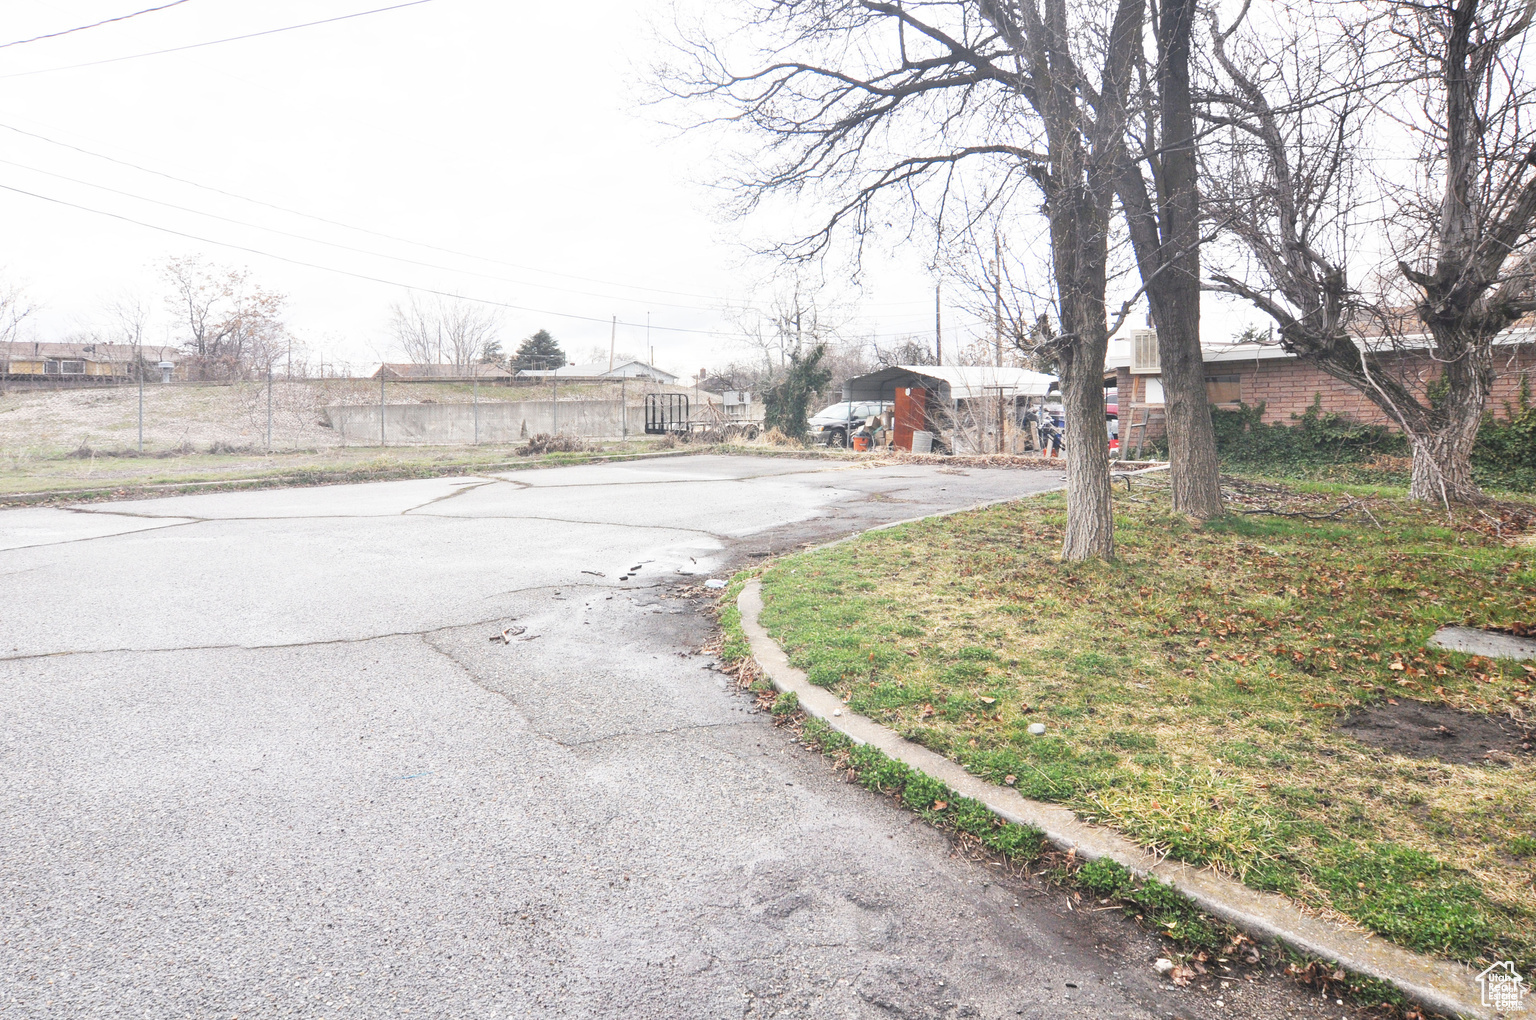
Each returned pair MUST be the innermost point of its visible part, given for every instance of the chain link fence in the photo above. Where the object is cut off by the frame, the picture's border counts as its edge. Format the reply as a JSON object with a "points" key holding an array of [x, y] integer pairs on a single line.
{"points": [[62, 419]]}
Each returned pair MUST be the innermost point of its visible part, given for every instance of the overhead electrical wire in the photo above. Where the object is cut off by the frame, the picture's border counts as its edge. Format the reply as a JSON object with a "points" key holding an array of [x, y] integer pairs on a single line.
{"points": [[349, 226], [605, 320], [215, 42], [336, 244], [647, 291], [377, 279], [95, 24]]}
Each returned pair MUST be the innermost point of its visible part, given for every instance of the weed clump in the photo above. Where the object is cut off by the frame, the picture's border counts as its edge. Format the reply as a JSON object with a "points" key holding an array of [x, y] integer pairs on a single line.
{"points": [[543, 443]]}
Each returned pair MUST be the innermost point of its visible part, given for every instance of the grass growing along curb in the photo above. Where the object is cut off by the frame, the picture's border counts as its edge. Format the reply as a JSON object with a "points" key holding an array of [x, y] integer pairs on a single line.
{"points": [[1192, 691], [1194, 937], [122, 473]]}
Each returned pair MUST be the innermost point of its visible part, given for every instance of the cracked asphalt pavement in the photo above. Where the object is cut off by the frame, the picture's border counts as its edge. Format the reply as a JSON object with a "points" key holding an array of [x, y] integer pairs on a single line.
{"points": [[260, 759]]}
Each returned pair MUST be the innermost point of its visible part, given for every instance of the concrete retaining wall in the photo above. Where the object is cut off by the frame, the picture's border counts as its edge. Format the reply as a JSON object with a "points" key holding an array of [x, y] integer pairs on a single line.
{"points": [[500, 422]]}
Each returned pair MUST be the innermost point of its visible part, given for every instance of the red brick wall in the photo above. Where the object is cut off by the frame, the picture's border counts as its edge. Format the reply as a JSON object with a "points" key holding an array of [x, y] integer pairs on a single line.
{"points": [[1286, 387]]}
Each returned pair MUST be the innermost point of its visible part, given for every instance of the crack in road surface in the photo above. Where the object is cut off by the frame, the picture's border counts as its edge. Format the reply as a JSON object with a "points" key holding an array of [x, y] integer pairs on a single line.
{"points": [[594, 825]]}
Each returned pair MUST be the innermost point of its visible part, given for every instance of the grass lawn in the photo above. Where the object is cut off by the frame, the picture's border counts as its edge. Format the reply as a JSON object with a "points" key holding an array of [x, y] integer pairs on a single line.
{"points": [[1192, 690], [26, 473]]}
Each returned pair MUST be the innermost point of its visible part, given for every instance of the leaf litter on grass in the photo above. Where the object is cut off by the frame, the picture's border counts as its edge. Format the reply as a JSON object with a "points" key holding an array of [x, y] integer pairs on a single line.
{"points": [[1192, 691]]}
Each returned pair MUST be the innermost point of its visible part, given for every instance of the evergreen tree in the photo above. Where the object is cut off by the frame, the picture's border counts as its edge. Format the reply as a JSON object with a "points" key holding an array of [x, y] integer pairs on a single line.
{"points": [[787, 404], [539, 351]]}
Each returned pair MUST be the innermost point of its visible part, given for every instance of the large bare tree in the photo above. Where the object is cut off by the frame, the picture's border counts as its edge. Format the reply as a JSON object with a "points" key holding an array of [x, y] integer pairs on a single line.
{"points": [[1159, 189], [233, 328], [442, 330], [1449, 83], [881, 107]]}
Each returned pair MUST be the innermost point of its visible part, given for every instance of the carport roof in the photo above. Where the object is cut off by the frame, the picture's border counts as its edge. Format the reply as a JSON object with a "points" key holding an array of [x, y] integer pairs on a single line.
{"points": [[953, 382]]}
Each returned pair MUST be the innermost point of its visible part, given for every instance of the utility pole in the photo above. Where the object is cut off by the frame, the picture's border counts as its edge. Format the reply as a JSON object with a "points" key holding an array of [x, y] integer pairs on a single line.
{"points": [[381, 406], [613, 332], [997, 296], [476, 370], [141, 399], [938, 324], [1000, 428], [269, 408]]}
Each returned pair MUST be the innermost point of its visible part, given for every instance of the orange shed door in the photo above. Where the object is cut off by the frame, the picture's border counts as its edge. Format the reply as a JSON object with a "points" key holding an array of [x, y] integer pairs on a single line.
{"points": [[911, 415]]}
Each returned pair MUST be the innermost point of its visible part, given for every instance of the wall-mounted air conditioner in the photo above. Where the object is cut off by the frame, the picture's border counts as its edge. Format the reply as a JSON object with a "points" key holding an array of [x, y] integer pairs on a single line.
{"points": [[1144, 359]]}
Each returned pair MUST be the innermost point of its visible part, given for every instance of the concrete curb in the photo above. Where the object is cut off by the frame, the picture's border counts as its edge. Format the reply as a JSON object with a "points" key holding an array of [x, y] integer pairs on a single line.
{"points": [[157, 489], [1440, 985]]}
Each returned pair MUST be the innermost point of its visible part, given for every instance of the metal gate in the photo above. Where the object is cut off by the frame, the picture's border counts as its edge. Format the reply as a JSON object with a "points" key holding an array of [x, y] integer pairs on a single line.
{"points": [[666, 412]]}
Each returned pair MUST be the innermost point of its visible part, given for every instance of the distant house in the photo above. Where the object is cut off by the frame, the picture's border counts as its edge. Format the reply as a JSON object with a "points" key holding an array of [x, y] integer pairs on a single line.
{"points": [[84, 362], [600, 372], [1286, 384], [441, 373]]}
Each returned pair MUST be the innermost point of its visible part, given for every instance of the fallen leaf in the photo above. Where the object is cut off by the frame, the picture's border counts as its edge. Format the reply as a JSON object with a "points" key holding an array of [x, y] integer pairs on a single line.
{"points": [[939, 805], [1010, 780]]}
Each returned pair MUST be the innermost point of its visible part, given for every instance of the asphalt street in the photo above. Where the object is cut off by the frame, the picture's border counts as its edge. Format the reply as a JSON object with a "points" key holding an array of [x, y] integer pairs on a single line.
{"points": [[261, 759]]}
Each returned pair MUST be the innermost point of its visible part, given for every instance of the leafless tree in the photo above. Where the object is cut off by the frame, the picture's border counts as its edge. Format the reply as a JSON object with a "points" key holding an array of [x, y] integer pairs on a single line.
{"points": [[128, 316], [903, 350], [442, 330], [466, 328], [416, 331], [884, 105], [1449, 82], [795, 317], [232, 327], [1159, 190], [14, 310]]}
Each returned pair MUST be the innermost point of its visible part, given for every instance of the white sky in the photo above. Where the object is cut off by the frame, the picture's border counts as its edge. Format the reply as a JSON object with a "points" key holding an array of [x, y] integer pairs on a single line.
{"points": [[511, 131]]}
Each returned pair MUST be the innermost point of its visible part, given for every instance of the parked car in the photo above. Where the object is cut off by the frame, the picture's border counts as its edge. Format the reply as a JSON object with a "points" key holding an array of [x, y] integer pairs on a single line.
{"points": [[833, 426]]}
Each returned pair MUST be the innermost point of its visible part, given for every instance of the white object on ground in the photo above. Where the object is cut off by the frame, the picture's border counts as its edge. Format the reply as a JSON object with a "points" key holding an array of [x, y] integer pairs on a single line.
{"points": [[1037, 728], [714, 582], [1163, 965]]}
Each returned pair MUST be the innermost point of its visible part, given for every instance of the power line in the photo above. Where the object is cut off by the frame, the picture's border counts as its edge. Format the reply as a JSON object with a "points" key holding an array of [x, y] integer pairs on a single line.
{"points": [[647, 292], [97, 24], [337, 244], [341, 272], [370, 278], [216, 42], [349, 226]]}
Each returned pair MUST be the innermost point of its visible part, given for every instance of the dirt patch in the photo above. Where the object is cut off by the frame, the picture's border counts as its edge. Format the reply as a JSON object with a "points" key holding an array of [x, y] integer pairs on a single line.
{"points": [[1422, 730]]}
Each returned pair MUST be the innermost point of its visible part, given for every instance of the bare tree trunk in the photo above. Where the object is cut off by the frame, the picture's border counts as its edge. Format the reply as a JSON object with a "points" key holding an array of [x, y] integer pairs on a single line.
{"points": [[1090, 520], [1194, 466], [1080, 250], [1442, 448], [1166, 242]]}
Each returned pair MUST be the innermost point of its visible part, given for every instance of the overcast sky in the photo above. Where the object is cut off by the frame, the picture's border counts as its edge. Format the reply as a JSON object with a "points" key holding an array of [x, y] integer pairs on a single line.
{"points": [[509, 132]]}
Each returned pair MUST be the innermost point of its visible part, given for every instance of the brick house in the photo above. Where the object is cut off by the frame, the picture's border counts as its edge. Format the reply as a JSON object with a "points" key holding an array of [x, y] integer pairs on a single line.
{"points": [[1258, 373]]}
